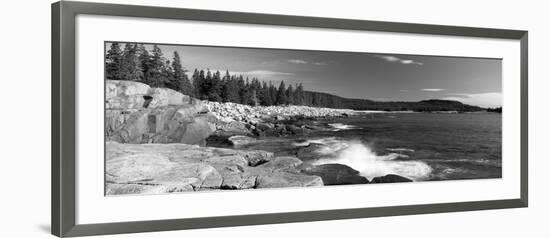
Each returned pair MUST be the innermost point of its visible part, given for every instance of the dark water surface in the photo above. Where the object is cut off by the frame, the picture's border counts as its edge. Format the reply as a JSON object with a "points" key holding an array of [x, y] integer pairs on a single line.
{"points": [[421, 146]]}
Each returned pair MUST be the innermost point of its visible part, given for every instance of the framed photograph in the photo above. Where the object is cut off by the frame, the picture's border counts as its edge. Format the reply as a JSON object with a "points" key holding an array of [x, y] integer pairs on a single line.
{"points": [[168, 119]]}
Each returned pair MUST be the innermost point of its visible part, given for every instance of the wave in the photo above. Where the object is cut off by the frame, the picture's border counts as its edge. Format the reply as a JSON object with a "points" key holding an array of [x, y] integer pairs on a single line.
{"points": [[400, 150], [341, 126], [484, 162], [362, 158]]}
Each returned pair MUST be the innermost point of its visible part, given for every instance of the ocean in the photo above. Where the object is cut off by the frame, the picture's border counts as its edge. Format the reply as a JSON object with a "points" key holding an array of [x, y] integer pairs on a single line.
{"points": [[419, 146]]}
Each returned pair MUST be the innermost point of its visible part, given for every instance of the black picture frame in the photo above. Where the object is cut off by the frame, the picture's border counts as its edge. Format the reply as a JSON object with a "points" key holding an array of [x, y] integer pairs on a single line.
{"points": [[63, 118]]}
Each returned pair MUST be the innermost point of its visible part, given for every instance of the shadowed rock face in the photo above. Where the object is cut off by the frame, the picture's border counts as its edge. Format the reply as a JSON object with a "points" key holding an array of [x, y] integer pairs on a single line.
{"points": [[336, 174], [136, 113], [390, 178], [166, 168]]}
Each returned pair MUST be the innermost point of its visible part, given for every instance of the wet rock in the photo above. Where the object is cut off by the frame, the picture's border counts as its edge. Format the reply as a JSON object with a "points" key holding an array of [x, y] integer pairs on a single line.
{"points": [[285, 179], [282, 164], [257, 157], [233, 128], [337, 174], [309, 152], [295, 130], [390, 178]]}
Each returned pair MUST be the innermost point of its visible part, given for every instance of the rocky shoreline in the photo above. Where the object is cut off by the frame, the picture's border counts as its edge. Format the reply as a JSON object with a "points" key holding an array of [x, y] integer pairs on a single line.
{"points": [[268, 121], [157, 137]]}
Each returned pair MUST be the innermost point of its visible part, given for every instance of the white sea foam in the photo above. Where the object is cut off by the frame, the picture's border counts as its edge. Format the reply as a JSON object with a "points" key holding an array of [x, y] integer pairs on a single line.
{"points": [[325, 141], [361, 158], [340, 126]]}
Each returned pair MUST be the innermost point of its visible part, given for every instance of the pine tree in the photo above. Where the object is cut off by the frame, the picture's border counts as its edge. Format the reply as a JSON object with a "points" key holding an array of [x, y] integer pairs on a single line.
{"points": [[265, 96], [131, 66], [156, 73], [144, 59], [281, 94], [290, 94], [113, 62], [167, 77], [273, 93], [200, 85], [230, 89], [196, 82], [300, 97], [180, 76], [215, 87]]}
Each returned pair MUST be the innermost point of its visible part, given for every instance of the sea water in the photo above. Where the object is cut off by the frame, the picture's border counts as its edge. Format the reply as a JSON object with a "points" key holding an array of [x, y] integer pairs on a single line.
{"points": [[420, 146]]}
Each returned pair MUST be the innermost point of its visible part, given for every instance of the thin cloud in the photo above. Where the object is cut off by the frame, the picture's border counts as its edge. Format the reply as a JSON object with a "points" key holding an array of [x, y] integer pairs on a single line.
{"points": [[297, 61], [301, 61], [393, 59], [265, 73], [403, 90], [432, 89]]}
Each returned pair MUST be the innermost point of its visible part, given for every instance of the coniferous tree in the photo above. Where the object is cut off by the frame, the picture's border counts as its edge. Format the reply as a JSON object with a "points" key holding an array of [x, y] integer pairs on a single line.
{"points": [[265, 96], [255, 87], [201, 84], [196, 82], [230, 89], [246, 93], [167, 77], [113, 62], [299, 99], [215, 87], [130, 68], [273, 93], [290, 94], [156, 70], [281, 94], [241, 86], [180, 76], [144, 59]]}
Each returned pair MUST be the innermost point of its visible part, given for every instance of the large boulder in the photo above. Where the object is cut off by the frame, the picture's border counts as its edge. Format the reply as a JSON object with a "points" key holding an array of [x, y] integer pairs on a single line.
{"points": [[196, 132], [137, 113], [121, 88], [120, 94], [285, 179], [337, 174], [233, 128], [390, 178], [166, 168], [161, 97]]}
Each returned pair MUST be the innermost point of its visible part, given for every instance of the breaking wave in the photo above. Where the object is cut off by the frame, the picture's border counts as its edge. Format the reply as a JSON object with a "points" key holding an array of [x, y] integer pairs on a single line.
{"points": [[362, 158]]}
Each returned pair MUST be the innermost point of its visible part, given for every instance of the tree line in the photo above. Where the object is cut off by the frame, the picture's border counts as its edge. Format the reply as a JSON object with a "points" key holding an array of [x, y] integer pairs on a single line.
{"points": [[134, 62]]}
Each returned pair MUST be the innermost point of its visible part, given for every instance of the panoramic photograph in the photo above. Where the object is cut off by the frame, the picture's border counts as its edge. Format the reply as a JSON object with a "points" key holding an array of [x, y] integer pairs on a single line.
{"points": [[186, 118]]}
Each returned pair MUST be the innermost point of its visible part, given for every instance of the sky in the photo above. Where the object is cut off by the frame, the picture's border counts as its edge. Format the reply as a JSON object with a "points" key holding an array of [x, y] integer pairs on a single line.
{"points": [[375, 76]]}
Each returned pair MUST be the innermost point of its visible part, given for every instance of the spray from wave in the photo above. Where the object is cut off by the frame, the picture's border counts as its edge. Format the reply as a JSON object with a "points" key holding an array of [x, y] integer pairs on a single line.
{"points": [[360, 157]]}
